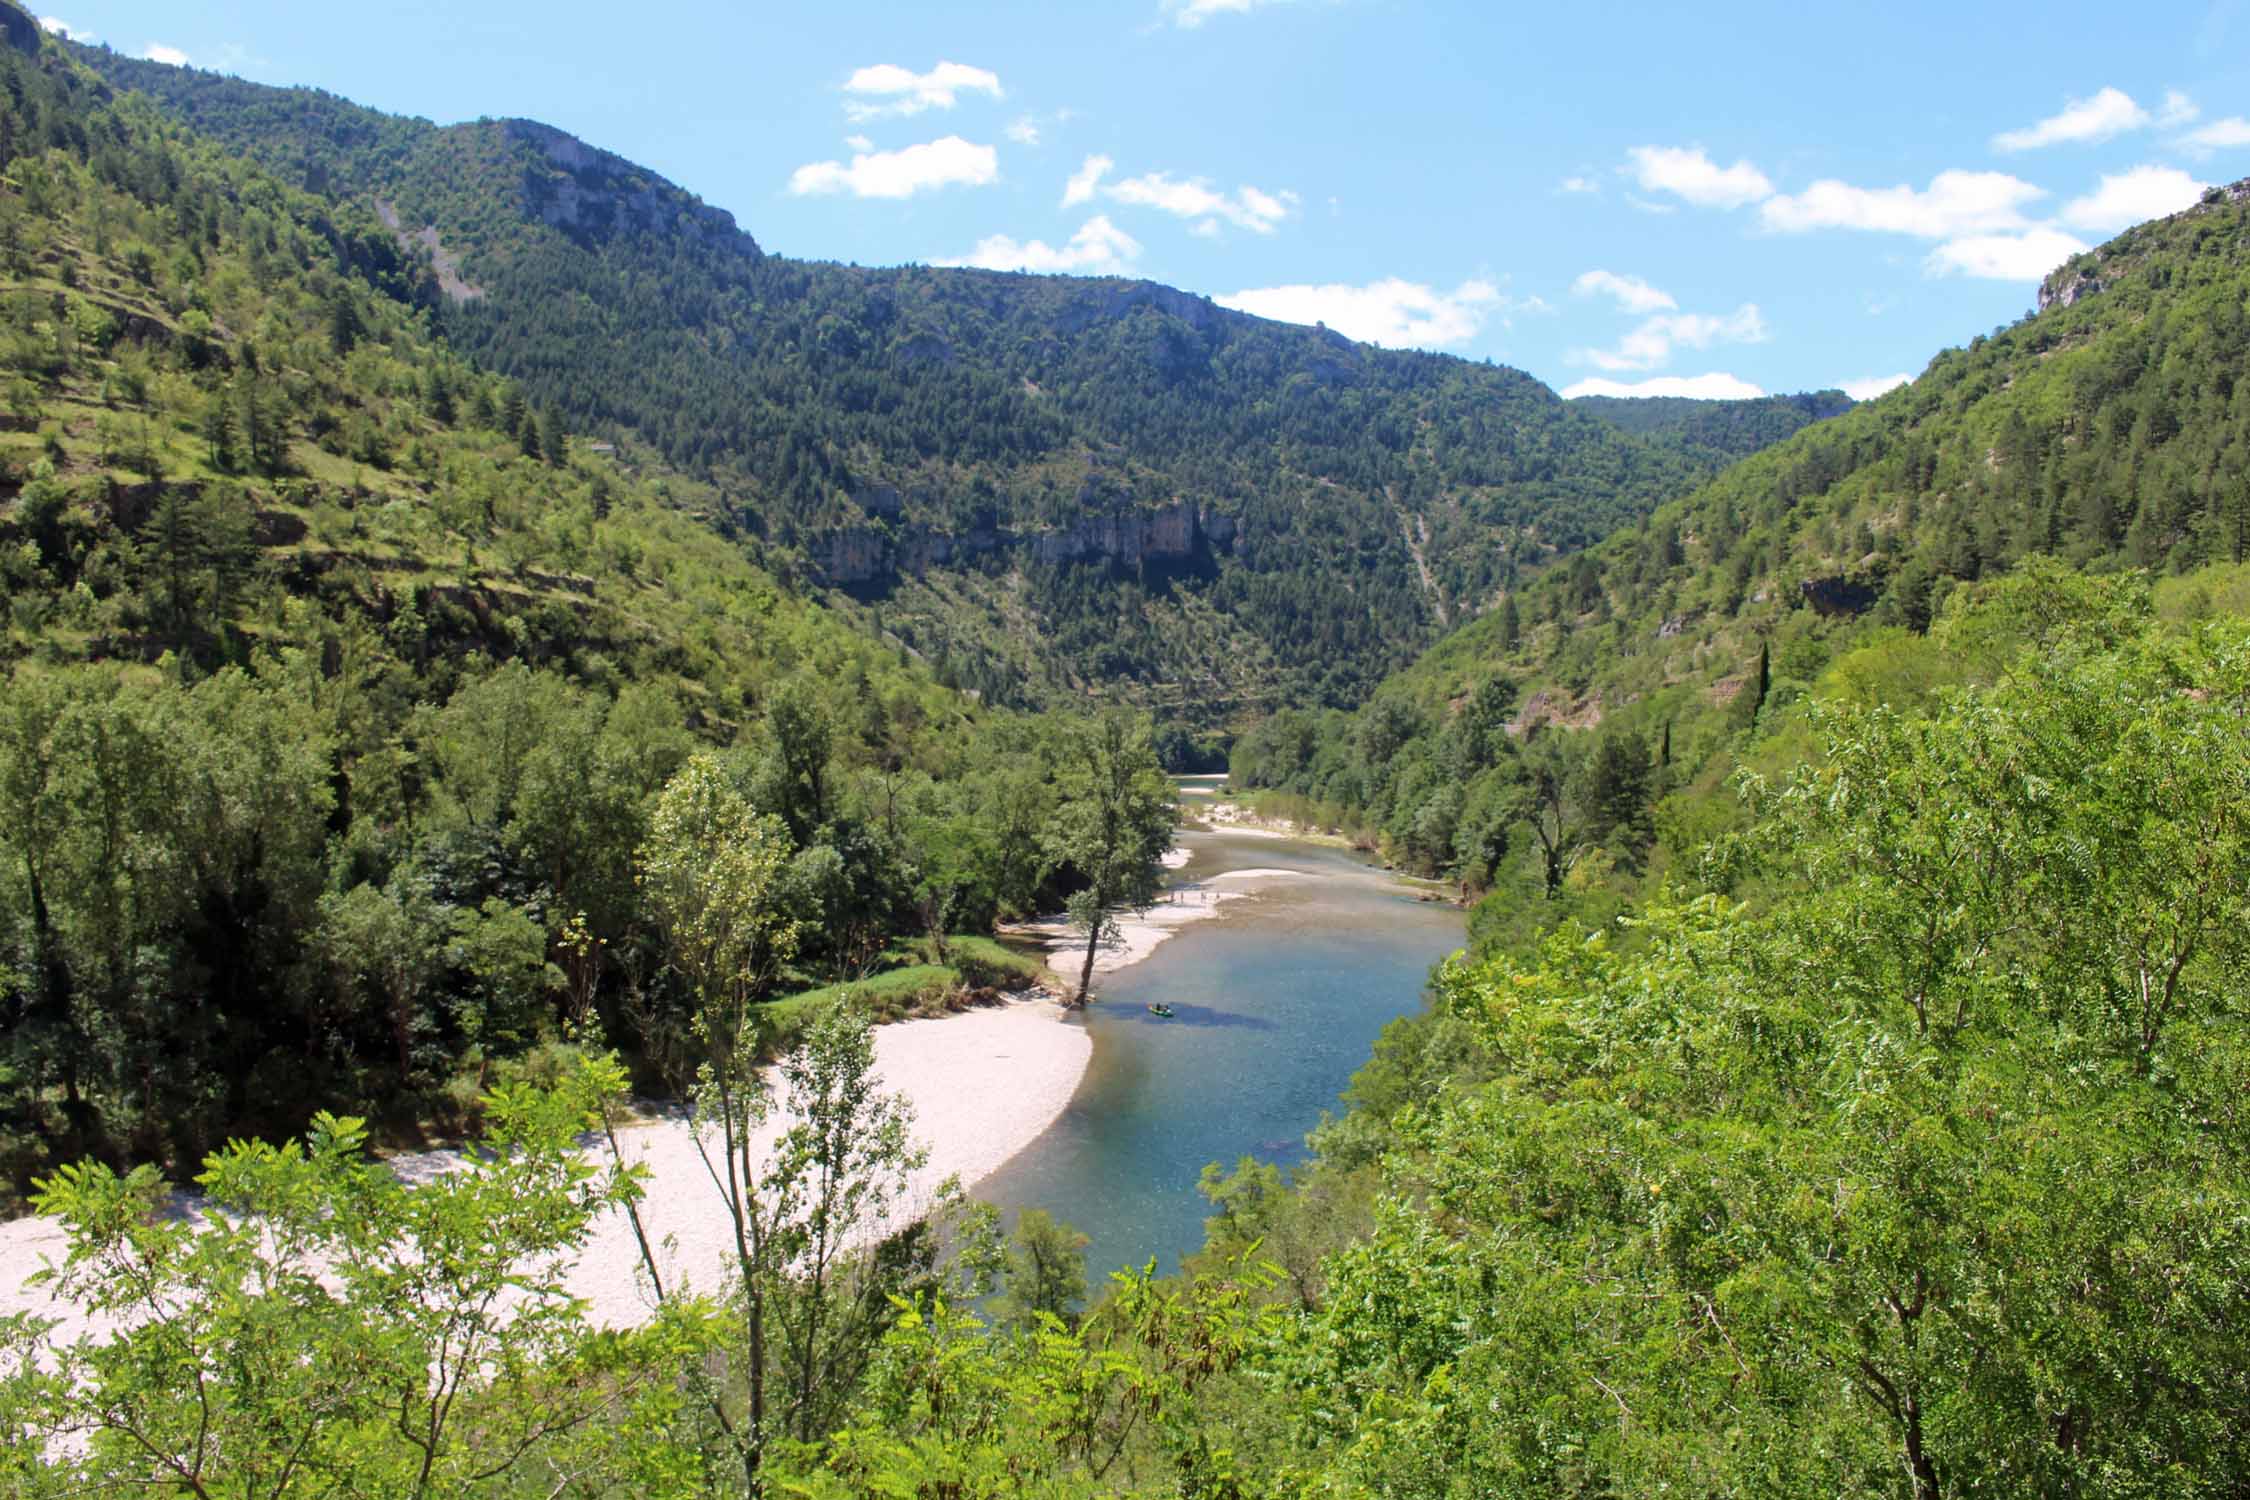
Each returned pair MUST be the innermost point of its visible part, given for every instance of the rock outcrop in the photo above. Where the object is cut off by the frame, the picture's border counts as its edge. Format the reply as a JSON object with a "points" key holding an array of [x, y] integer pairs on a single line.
{"points": [[18, 29], [2066, 286], [590, 193], [1106, 302]]}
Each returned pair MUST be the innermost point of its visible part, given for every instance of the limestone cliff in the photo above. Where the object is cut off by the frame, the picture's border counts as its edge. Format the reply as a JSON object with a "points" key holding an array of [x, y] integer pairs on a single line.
{"points": [[592, 194]]}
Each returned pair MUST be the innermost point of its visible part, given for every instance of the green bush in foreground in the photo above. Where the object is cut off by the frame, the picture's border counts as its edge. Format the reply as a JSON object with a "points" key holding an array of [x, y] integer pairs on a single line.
{"points": [[333, 1330]]}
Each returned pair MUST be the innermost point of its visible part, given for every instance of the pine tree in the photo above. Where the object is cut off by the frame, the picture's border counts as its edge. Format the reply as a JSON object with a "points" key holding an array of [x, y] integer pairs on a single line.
{"points": [[437, 398], [344, 326], [220, 433]]}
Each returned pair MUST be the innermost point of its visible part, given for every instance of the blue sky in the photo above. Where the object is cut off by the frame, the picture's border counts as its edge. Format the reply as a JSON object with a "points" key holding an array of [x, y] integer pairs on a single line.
{"points": [[1711, 198]]}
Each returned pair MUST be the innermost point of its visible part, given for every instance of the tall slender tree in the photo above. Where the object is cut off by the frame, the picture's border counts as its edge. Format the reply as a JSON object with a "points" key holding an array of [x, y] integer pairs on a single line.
{"points": [[1113, 828]]}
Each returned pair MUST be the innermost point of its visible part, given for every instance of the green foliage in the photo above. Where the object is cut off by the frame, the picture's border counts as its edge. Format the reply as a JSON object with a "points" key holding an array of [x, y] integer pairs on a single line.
{"points": [[328, 1325], [1112, 827], [1918, 1180], [1116, 1408], [711, 870], [1046, 1271]]}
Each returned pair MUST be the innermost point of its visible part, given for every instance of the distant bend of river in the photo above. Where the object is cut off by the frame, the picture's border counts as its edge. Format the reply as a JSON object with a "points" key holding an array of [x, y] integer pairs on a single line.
{"points": [[1278, 999]]}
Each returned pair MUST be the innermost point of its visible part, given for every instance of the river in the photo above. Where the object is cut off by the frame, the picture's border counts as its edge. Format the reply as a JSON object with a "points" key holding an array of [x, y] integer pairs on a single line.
{"points": [[1278, 999]]}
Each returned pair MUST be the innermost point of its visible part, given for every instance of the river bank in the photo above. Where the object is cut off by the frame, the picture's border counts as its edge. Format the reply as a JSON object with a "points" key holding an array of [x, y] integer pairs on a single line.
{"points": [[1140, 933], [983, 1084], [1012, 1100], [1234, 817]]}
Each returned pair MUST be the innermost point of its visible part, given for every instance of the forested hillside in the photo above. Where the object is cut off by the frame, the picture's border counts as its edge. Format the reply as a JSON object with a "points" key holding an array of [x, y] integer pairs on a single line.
{"points": [[338, 680], [1720, 429], [2110, 431], [1215, 514]]}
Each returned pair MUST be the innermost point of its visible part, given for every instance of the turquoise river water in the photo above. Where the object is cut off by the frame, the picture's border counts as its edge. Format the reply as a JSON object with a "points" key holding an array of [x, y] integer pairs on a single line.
{"points": [[1278, 996]]}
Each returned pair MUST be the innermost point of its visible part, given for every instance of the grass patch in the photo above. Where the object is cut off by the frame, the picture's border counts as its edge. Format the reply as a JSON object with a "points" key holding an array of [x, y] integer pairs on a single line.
{"points": [[916, 984]]}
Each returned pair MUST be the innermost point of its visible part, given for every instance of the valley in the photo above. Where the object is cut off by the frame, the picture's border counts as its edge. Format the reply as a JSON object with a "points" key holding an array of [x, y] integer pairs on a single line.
{"points": [[634, 865]]}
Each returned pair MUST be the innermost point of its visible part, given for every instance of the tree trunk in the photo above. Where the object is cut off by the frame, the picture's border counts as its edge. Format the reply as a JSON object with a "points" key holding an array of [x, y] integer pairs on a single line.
{"points": [[755, 1449], [1918, 1460], [1086, 971]]}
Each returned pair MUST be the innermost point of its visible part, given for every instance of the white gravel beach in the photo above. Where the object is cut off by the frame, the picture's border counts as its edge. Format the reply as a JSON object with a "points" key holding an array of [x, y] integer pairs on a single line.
{"points": [[983, 1083], [1140, 933], [1238, 821]]}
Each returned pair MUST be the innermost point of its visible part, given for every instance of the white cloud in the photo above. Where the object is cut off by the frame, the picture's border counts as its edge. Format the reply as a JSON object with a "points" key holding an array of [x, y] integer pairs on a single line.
{"points": [[1189, 14], [1098, 248], [1392, 312], [1578, 185], [2179, 110], [859, 143], [171, 57], [888, 89], [1023, 130], [1652, 342], [1869, 387], [1080, 188], [2219, 135], [1195, 198], [1955, 203], [946, 162], [2004, 257], [2127, 198], [1632, 294], [2082, 122], [1712, 387], [1686, 172], [56, 26]]}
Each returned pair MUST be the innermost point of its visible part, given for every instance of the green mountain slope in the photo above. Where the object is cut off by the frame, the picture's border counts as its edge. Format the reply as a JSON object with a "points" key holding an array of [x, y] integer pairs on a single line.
{"points": [[1718, 430], [2111, 430], [337, 680], [1060, 484]]}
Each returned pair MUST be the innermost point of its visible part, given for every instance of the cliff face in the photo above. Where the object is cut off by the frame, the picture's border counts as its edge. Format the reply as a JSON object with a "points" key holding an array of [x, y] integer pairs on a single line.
{"points": [[590, 193], [18, 29], [853, 556]]}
